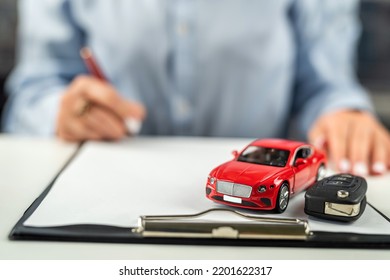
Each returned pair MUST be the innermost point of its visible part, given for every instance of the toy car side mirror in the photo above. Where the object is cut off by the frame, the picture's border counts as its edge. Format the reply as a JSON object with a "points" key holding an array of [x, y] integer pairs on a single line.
{"points": [[235, 153], [300, 161]]}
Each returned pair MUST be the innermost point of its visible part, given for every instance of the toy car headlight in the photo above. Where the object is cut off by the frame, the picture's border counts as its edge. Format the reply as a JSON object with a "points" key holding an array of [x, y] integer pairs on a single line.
{"points": [[212, 180], [262, 189]]}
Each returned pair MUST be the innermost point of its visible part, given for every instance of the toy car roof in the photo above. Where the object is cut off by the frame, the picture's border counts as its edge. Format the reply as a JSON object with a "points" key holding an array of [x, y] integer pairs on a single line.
{"points": [[278, 143]]}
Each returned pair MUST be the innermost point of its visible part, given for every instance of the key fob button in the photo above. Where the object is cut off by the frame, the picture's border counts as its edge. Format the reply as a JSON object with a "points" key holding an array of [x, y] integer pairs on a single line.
{"points": [[337, 183], [342, 178], [342, 194]]}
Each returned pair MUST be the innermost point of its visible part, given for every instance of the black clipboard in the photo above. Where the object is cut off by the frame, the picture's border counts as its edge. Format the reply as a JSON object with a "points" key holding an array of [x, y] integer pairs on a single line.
{"points": [[267, 232]]}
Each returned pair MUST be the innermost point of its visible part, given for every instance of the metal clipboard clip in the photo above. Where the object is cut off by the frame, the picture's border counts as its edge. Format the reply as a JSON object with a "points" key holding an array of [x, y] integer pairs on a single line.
{"points": [[186, 226]]}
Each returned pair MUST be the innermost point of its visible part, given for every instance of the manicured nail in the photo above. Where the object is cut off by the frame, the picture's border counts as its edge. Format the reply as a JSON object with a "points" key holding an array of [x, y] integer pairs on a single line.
{"points": [[133, 126], [379, 167], [344, 165], [360, 168]]}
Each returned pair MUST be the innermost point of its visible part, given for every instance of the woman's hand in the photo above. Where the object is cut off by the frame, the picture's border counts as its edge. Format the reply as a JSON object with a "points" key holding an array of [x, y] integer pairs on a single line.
{"points": [[92, 109], [355, 141]]}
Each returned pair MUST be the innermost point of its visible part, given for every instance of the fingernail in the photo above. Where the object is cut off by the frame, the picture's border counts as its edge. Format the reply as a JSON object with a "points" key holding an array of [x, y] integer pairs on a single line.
{"points": [[379, 167], [360, 169], [133, 125], [344, 165]]}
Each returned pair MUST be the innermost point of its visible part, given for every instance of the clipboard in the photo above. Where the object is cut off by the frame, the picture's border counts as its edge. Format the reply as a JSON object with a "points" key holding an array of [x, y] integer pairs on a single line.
{"points": [[253, 229]]}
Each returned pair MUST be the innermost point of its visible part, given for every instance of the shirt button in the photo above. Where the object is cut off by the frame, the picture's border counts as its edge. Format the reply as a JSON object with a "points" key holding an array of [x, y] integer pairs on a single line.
{"points": [[183, 109], [182, 29]]}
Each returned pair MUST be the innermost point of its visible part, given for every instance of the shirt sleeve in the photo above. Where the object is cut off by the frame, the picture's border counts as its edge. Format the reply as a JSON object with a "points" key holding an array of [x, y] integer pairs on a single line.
{"points": [[326, 34], [47, 60]]}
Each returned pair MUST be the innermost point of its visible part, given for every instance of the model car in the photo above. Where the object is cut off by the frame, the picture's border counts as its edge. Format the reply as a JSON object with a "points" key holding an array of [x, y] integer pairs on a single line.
{"points": [[265, 174]]}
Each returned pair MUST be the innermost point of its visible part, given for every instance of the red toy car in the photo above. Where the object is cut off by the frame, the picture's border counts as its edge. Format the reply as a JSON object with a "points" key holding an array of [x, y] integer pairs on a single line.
{"points": [[265, 174]]}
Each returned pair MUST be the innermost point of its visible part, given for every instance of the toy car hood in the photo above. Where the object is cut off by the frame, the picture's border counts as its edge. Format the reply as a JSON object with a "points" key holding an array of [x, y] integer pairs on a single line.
{"points": [[245, 173]]}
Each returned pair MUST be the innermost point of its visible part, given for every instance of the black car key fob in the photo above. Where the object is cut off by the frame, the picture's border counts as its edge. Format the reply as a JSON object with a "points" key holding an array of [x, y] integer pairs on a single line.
{"points": [[340, 197]]}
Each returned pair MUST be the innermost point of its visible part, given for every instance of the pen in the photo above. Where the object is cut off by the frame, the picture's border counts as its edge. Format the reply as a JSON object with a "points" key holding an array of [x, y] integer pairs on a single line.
{"points": [[133, 125]]}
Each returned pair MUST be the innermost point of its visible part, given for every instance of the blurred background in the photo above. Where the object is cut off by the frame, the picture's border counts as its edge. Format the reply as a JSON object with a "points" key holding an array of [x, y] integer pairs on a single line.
{"points": [[374, 54], [8, 19], [373, 63]]}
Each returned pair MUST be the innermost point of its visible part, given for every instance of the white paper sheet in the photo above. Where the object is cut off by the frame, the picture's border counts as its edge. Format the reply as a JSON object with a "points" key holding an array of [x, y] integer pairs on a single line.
{"points": [[115, 183]]}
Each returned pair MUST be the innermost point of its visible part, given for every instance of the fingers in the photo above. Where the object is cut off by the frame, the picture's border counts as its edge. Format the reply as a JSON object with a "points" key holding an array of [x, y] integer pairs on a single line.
{"points": [[380, 160], [369, 145], [360, 143], [104, 95], [96, 124], [92, 109], [76, 131], [105, 123], [333, 139], [337, 146], [317, 136], [355, 141]]}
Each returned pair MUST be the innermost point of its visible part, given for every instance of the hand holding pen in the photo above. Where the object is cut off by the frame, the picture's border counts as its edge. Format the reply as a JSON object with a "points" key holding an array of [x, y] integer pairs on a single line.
{"points": [[92, 109]]}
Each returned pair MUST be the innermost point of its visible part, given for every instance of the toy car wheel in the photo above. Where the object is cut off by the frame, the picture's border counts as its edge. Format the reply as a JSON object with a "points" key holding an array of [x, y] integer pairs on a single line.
{"points": [[283, 198], [321, 172]]}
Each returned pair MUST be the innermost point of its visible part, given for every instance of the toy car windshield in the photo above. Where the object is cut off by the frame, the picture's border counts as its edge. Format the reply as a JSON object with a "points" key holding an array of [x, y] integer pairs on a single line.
{"points": [[264, 156]]}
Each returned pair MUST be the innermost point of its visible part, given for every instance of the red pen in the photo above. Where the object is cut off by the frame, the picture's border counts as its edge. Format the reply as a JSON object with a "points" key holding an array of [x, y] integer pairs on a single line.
{"points": [[90, 62], [133, 125]]}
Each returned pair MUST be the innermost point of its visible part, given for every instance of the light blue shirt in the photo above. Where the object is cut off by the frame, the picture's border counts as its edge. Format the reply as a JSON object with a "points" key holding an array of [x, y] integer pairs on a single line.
{"points": [[241, 68]]}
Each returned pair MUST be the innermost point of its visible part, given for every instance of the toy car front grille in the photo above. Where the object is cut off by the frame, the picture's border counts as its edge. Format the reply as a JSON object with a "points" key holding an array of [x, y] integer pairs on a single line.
{"points": [[233, 189]]}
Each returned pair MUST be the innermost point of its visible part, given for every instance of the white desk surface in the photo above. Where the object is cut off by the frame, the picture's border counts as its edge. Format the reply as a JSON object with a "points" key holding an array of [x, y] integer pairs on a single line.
{"points": [[27, 166]]}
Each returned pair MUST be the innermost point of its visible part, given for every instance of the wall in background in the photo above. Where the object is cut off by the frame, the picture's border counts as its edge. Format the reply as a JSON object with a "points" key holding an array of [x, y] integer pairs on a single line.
{"points": [[374, 48], [7, 34], [7, 42], [374, 54]]}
